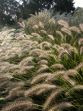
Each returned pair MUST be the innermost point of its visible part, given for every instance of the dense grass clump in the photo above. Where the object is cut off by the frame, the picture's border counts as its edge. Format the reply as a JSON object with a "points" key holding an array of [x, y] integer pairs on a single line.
{"points": [[42, 69]]}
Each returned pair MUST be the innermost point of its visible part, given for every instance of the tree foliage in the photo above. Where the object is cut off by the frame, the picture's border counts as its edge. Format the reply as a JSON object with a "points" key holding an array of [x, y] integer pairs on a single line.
{"points": [[57, 5], [9, 9]]}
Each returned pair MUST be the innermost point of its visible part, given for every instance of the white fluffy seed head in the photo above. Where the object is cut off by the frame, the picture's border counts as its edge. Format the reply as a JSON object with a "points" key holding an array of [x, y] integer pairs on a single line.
{"points": [[26, 61], [15, 92], [51, 37], [42, 68], [45, 45], [18, 105], [81, 27], [75, 29], [64, 105], [43, 32], [43, 62], [35, 34], [36, 52], [59, 107], [41, 25], [57, 66], [81, 50], [79, 66], [66, 78], [38, 78], [35, 27], [52, 97], [52, 21], [60, 34], [63, 23], [37, 87], [71, 72], [66, 31], [62, 53], [76, 88], [80, 42]]}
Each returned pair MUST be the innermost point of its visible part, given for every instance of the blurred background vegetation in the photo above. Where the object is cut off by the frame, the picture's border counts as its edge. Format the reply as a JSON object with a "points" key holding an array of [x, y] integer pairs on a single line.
{"points": [[12, 10]]}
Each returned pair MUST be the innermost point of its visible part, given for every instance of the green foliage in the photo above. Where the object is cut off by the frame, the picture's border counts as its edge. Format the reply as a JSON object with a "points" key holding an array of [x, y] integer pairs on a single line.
{"points": [[56, 5], [8, 9], [11, 10]]}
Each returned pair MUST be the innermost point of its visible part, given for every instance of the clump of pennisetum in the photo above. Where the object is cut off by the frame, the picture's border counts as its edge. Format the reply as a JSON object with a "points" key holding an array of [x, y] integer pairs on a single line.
{"points": [[49, 68]]}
